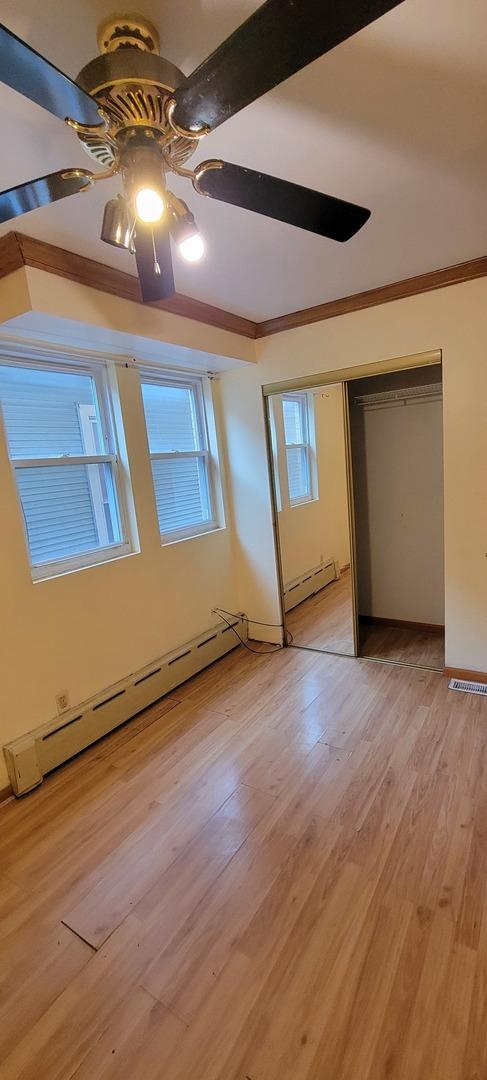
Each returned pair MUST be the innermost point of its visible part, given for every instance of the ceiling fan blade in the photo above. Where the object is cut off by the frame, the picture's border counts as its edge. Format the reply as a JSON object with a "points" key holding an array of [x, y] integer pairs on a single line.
{"points": [[153, 245], [280, 199], [27, 71], [280, 38], [40, 192]]}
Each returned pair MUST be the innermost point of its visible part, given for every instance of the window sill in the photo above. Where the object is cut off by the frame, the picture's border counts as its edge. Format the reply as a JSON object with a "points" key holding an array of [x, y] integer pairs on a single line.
{"points": [[168, 541], [52, 571], [305, 501]]}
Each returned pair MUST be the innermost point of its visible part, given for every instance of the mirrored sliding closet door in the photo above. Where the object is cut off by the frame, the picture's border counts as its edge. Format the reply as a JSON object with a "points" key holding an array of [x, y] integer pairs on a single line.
{"points": [[309, 464]]}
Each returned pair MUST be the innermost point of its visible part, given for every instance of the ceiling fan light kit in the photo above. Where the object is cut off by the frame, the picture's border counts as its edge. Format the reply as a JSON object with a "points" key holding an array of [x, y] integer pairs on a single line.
{"points": [[117, 227], [137, 115]]}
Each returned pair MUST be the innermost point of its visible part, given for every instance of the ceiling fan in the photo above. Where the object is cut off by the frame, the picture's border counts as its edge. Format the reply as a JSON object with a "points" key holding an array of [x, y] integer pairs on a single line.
{"points": [[136, 114]]}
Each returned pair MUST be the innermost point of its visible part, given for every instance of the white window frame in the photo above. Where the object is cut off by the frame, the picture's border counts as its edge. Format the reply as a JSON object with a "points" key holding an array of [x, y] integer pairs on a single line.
{"points": [[98, 371], [303, 400], [199, 385]]}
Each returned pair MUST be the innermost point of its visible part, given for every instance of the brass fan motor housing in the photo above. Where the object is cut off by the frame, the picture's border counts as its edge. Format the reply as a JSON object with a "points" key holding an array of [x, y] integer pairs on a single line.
{"points": [[131, 83]]}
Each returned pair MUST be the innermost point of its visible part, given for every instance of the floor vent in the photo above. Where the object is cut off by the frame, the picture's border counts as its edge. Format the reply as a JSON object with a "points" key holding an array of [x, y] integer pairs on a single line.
{"points": [[33, 755], [468, 687]]}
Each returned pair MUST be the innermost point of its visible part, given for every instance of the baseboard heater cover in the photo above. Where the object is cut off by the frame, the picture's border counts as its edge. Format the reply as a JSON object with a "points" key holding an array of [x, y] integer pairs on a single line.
{"points": [[30, 757], [309, 583]]}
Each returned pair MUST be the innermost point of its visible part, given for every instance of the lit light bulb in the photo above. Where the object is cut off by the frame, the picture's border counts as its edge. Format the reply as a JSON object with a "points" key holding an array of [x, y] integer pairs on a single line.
{"points": [[192, 248], [149, 205]]}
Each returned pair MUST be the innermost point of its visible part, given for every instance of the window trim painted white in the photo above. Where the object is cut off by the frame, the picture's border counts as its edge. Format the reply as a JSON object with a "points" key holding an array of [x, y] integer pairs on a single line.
{"points": [[206, 427], [306, 404], [98, 371]]}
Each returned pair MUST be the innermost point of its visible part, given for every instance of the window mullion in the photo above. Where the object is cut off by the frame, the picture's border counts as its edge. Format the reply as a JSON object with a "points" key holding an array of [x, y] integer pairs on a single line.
{"points": [[167, 455]]}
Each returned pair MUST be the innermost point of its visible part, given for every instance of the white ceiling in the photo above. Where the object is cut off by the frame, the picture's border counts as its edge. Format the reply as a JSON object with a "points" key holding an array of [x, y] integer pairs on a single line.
{"points": [[393, 119]]}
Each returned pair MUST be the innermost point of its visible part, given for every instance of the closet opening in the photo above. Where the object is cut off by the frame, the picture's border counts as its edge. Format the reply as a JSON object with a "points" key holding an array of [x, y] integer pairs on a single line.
{"points": [[396, 443]]}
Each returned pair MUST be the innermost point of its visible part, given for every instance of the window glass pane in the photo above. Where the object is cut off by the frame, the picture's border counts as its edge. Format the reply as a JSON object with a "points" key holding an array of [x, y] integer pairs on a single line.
{"points": [[297, 472], [68, 509], [182, 496], [171, 418], [49, 413], [293, 411]]}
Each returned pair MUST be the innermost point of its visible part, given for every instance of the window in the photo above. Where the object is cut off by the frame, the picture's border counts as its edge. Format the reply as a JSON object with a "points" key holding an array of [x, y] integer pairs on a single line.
{"points": [[61, 443], [297, 447], [180, 458]]}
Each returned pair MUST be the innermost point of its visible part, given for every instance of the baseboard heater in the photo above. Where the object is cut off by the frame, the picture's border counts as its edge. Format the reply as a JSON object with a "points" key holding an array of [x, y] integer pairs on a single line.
{"points": [[31, 756], [309, 583]]}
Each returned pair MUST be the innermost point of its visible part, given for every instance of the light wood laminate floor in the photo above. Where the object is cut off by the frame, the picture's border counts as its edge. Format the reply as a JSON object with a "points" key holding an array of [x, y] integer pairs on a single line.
{"points": [[279, 872], [403, 644], [325, 620]]}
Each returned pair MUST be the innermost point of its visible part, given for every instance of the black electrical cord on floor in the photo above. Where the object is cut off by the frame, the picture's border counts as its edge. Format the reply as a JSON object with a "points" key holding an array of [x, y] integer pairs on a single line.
{"points": [[259, 652], [236, 615]]}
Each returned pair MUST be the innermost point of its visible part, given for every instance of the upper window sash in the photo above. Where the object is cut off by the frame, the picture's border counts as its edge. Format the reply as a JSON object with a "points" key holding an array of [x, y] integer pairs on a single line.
{"points": [[302, 404], [195, 385], [96, 371]]}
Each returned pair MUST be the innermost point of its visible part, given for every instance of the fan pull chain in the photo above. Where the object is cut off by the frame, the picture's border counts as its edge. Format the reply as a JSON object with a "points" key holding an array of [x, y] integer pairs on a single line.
{"points": [[157, 269]]}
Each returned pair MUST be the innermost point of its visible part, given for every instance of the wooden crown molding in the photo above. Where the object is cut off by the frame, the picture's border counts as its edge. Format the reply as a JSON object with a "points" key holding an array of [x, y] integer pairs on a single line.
{"points": [[17, 250], [10, 254], [398, 290]]}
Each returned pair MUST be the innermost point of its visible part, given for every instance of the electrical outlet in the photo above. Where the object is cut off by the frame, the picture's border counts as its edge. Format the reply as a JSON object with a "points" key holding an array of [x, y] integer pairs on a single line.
{"points": [[62, 701]]}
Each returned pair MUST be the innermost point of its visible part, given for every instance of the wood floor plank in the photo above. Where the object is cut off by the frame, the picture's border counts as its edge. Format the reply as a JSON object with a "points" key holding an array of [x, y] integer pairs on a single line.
{"points": [[428, 1022], [218, 833], [65, 1033], [129, 1047], [389, 1053], [184, 974], [38, 963]]}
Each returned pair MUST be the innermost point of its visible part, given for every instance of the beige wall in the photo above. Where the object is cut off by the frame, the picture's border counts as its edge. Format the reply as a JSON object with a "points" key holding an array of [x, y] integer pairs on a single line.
{"points": [[58, 297], [313, 532], [83, 631], [452, 319]]}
